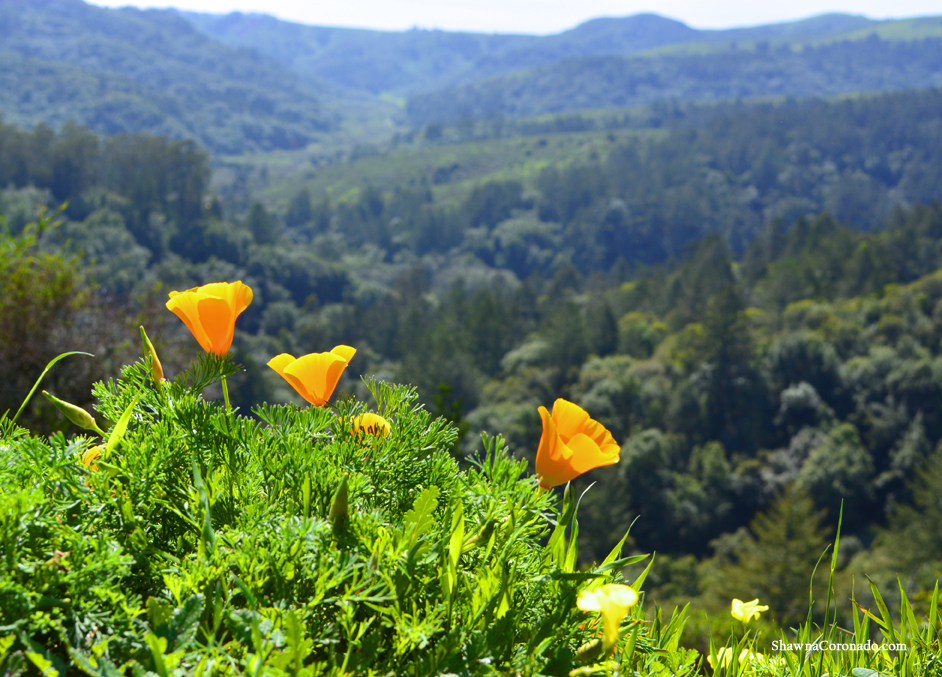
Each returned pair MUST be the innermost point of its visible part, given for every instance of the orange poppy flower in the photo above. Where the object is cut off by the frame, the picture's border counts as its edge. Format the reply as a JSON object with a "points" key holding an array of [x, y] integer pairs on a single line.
{"points": [[373, 424], [210, 312], [314, 376], [572, 443]]}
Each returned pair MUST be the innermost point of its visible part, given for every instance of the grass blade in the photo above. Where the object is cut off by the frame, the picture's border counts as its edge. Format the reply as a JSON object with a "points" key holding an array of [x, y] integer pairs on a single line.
{"points": [[39, 380]]}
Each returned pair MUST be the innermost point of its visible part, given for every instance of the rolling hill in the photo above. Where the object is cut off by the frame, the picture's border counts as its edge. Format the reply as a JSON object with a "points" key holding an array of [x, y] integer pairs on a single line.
{"points": [[128, 70], [451, 77], [409, 62], [832, 68]]}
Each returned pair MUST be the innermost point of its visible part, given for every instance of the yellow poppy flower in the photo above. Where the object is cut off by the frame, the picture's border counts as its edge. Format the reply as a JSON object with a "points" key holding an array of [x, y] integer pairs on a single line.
{"points": [[613, 601], [91, 455], [571, 444], [373, 424], [724, 657], [746, 611], [314, 376], [210, 312]]}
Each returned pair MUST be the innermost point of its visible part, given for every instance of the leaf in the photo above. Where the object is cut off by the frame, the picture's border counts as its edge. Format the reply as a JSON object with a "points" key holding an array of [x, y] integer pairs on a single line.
{"points": [[158, 646], [300, 646], [559, 532], [419, 519], [339, 508], [455, 545], [158, 612], [121, 427], [887, 622], [5, 644], [184, 623], [207, 535], [639, 581], [105, 668], [43, 663], [306, 495], [620, 563]]}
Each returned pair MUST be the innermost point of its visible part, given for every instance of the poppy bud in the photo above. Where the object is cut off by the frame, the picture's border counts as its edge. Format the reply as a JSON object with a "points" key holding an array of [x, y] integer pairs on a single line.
{"points": [[156, 371], [76, 415]]}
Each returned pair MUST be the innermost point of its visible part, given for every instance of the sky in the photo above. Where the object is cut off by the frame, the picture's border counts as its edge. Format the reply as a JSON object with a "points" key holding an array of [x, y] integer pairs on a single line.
{"points": [[536, 16]]}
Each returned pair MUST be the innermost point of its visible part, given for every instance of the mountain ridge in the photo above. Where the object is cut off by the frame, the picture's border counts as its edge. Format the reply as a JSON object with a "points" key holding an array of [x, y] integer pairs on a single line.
{"points": [[393, 61]]}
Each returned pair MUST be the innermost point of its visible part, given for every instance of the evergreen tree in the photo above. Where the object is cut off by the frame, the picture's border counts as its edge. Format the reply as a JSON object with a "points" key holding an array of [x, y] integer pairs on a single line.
{"points": [[299, 210], [261, 225], [773, 560]]}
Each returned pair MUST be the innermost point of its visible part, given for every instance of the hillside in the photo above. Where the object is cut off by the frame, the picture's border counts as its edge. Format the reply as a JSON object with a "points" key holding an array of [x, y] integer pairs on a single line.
{"points": [[129, 71], [414, 61], [450, 77], [870, 64], [242, 84]]}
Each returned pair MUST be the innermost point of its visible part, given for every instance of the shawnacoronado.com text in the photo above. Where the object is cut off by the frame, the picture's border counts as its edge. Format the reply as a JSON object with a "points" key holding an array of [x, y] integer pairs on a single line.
{"points": [[870, 645]]}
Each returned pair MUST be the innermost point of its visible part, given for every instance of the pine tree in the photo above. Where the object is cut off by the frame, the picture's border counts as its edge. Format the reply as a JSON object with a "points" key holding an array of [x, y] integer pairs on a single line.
{"points": [[773, 561]]}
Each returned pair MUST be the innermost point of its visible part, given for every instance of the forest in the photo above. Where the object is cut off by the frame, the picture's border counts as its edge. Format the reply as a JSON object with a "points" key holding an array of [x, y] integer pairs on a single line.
{"points": [[746, 295]]}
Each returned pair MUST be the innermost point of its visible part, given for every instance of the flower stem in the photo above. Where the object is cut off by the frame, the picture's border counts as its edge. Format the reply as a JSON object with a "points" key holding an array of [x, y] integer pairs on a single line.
{"points": [[225, 395]]}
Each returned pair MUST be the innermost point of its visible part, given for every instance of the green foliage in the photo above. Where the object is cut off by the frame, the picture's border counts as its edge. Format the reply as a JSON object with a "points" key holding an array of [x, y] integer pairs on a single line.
{"points": [[202, 540], [43, 299]]}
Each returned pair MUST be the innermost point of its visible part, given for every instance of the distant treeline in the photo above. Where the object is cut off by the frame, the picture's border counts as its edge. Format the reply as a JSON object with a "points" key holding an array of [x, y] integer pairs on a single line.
{"points": [[153, 173]]}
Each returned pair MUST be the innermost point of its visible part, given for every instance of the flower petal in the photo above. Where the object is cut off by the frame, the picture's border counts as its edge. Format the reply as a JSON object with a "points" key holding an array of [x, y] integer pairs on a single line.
{"points": [[586, 454], [622, 595], [344, 352], [210, 312], [371, 423], [336, 369], [184, 305], [242, 297], [552, 456], [569, 418], [311, 372], [588, 601], [279, 362], [218, 322], [219, 290]]}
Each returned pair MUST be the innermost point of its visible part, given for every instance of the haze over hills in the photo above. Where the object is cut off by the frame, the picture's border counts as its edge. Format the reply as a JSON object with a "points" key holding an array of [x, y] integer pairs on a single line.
{"points": [[245, 83]]}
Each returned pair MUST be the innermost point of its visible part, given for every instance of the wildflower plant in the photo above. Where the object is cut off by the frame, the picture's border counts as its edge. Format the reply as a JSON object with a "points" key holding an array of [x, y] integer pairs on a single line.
{"points": [[201, 540], [188, 538]]}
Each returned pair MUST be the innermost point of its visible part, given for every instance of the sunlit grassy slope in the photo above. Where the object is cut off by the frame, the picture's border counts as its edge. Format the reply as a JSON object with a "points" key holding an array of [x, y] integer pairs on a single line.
{"points": [[450, 170], [802, 34]]}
